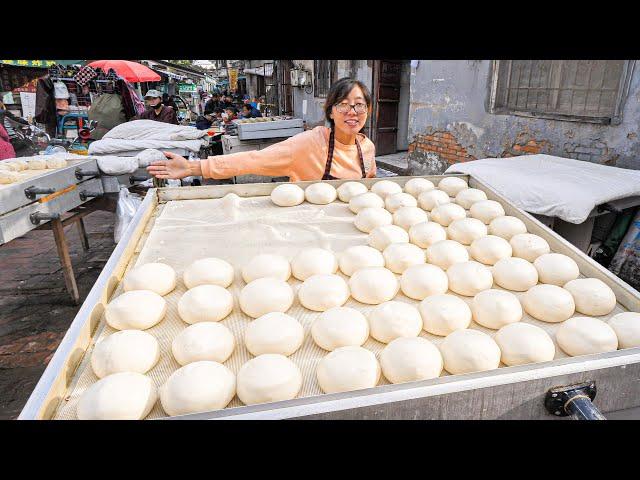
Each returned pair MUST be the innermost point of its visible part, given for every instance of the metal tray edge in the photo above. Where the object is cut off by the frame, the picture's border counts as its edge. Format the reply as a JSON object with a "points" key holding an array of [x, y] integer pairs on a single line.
{"points": [[36, 402]]}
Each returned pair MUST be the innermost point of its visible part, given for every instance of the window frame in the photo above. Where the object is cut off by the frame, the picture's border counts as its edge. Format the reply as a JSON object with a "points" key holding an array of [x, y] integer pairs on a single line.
{"points": [[614, 119], [330, 78]]}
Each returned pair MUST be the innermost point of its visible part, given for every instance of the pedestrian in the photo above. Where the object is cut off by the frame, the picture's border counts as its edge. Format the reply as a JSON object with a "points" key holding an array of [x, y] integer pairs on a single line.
{"points": [[212, 104], [157, 111], [203, 122], [339, 151], [168, 101], [6, 149], [10, 122], [231, 114]]}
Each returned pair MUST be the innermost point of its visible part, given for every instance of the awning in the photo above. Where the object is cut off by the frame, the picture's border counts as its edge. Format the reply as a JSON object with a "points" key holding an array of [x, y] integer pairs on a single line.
{"points": [[260, 71], [169, 74]]}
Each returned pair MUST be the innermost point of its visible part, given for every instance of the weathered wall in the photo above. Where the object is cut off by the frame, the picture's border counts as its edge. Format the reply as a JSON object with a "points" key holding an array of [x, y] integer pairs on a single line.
{"points": [[449, 123], [252, 79], [314, 116], [403, 108]]}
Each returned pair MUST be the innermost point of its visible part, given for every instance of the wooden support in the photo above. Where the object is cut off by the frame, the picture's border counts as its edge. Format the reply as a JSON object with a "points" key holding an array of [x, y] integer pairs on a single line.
{"points": [[65, 259], [83, 234]]}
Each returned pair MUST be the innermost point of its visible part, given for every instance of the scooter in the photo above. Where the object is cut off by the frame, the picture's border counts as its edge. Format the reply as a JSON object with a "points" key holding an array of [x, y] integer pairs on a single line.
{"points": [[80, 144], [30, 140]]}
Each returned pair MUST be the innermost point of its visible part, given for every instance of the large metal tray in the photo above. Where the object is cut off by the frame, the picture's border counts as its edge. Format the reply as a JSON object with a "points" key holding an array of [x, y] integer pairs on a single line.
{"points": [[16, 206], [508, 392], [12, 196]]}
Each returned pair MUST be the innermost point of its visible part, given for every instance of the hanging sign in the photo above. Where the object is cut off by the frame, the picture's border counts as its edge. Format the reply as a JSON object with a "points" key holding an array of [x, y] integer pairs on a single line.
{"points": [[233, 78], [186, 87], [29, 63]]}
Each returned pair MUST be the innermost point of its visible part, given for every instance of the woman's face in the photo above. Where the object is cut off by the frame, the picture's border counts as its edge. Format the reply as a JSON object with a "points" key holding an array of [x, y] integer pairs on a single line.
{"points": [[351, 122]]}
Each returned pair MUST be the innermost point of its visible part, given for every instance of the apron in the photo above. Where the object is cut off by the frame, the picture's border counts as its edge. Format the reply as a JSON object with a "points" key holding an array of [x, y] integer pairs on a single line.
{"points": [[327, 170]]}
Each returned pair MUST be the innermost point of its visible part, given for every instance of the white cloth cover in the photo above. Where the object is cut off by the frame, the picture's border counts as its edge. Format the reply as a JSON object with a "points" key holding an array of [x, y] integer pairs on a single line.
{"points": [[112, 165], [114, 146], [152, 130], [553, 186], [146, 157], [143, 134]]}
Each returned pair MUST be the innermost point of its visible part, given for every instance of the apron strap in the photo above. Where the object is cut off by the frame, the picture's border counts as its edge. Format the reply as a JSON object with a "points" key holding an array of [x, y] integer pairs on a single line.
{"points": [[361, 158], [327, 170]]}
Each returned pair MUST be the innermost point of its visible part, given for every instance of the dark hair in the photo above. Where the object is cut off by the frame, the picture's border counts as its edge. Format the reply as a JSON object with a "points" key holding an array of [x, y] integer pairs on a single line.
{"points": [[247, 106], [340, 90], [233, 109], [218, 110]]}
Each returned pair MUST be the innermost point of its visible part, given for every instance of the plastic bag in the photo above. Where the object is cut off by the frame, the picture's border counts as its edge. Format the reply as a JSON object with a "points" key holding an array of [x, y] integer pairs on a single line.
{"points": [[626, 262], [60, 91], [127, 206]]}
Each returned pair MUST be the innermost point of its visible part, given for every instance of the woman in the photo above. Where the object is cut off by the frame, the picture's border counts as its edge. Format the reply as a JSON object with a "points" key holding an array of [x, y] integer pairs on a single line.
{"points": [[7, 133], [337, 152], [6, 149]]}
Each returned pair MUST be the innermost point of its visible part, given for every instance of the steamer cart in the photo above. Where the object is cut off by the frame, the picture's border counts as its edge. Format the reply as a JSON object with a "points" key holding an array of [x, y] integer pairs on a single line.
{"points": [[42, 198], [563, 386], [55, 198]]}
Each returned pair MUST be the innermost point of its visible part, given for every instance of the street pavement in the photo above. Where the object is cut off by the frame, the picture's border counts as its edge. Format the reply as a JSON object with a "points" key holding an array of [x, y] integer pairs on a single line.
{"points": [[35, 308]]}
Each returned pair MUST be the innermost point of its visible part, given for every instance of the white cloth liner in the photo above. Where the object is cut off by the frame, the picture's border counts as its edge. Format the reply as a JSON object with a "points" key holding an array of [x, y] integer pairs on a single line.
{"points": [[236, 229], [553, 186]]}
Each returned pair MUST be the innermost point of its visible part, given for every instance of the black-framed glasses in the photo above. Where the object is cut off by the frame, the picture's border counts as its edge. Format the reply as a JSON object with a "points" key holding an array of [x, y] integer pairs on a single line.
{"points": [[344, 108]]}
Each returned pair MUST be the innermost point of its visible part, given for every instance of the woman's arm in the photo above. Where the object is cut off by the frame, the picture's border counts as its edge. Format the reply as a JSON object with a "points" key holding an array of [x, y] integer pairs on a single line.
{"points": [[273, 161]]}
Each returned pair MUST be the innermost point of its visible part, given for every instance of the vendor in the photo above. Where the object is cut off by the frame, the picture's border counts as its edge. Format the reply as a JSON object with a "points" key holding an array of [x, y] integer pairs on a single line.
{"points": [[323, 153], [203, 122], [212, 104], [249, 112], [157, 111]]}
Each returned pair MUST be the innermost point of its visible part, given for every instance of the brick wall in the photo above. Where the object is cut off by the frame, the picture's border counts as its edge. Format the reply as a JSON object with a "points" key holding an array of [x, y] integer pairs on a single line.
{"points": [[442, 144], [529, 147]]}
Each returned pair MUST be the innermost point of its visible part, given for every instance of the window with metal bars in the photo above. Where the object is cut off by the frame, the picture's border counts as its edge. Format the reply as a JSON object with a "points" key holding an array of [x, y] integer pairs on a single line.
{"points": [[575, 90], [324, 76]]}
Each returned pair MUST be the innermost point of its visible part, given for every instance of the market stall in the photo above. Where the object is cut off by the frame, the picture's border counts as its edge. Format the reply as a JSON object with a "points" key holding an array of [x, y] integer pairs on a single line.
{"points": [[236, 222], [259, 133]]}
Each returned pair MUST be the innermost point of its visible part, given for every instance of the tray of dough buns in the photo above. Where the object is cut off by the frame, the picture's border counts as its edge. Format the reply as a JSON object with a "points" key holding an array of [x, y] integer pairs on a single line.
{"points": [[425, 283], [55, 171], [22, 169]]}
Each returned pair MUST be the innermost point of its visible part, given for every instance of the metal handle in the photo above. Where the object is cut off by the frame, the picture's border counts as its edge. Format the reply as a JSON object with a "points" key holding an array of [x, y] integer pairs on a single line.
{"points": [[573, 400], [84, 194], [86, 173], [137, 178], [37, 217], [32, 191]]}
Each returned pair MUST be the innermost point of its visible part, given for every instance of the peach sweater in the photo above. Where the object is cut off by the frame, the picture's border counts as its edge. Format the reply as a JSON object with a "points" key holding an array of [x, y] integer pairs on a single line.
{"points": [[301, 157]]}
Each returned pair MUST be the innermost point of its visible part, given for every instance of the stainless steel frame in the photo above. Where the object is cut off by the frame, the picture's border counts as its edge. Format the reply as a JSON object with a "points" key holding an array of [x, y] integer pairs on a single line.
{"points": [[15, 206], [509, 392]]}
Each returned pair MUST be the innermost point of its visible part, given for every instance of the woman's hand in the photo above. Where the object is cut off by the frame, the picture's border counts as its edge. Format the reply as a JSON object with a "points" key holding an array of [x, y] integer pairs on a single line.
{"points": [[175, 167]]}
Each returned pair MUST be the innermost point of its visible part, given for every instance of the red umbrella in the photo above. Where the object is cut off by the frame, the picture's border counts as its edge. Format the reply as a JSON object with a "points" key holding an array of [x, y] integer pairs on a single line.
{"points": [[130, 71]]}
